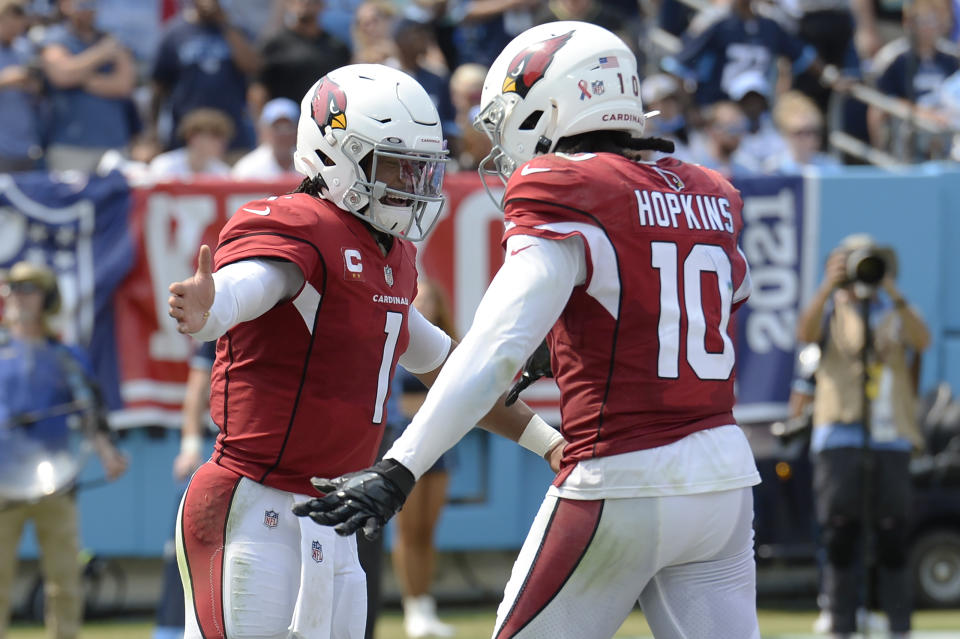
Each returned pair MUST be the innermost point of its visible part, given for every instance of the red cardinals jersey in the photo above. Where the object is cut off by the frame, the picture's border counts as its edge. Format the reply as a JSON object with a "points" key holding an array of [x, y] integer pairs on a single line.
{"points": [[302, 389], [643, 351]]}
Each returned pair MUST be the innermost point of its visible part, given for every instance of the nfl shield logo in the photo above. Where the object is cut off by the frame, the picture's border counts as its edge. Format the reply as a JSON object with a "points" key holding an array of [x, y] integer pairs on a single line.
{"points": [[388, 275], [317, 551], [270, 518]]}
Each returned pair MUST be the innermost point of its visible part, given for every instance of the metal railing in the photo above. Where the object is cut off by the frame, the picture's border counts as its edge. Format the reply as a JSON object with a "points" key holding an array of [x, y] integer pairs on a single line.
{"points": [[907, 127]]}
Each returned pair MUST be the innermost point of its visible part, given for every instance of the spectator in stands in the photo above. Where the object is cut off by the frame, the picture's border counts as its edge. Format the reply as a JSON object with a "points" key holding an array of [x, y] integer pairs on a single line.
{"points": [[413, 40], [256, 18], [800, 123], [372, 33], [144, 148], [135, 165], [718, 145], [203, 61], [20, 142], [433, 13], [949, 107], [469, 146], [829, 27], [753, 93], [92, 77], [673, 16], [913, 68], [413, 554], [584, 11], [661, 92], [737, 42], [278, 135], [833, 319], [207, 132], [298, 55], [605, 14], [39, 378], [878, 22], [484, 27]]}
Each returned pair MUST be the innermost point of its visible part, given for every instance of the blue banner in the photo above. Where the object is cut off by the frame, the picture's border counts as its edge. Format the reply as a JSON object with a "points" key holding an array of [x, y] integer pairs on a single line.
{"points": [[773, 242], [78, 227]]}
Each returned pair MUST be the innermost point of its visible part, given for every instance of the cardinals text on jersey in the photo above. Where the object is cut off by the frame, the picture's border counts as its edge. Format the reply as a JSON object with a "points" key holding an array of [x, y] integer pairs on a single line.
{"points": [[301, 390]]}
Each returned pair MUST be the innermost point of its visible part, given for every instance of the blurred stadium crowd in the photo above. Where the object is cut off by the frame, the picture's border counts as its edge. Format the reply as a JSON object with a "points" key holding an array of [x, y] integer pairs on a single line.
{"points": [[173, 88]]}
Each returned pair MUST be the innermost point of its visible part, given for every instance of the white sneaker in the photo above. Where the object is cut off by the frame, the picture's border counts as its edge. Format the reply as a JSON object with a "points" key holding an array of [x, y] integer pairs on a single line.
{"points": [[872, 621], [823, 624], [420, 618]]}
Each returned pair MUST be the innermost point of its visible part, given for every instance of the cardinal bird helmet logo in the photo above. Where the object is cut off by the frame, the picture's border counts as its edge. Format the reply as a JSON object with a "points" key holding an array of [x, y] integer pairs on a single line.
{"points": [[329, 105], [528, 66]]}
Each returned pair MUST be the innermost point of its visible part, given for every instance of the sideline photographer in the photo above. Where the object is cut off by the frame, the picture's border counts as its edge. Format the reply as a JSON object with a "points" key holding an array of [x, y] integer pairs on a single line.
{"points": [[42, 382], [863, 472]]}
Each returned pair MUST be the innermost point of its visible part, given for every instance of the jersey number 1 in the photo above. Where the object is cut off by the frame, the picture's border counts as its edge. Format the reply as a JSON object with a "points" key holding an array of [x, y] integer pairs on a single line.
{"points": [[703, 258], [392, 330]]}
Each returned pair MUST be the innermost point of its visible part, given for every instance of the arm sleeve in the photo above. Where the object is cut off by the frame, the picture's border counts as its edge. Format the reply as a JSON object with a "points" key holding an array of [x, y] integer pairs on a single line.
{"points": [[246, 290], [523, 302], [428, 345]]}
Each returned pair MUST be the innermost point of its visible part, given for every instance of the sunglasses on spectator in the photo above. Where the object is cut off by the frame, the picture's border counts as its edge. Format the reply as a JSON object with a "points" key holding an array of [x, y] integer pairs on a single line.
{"points": [[812, 131], [731, 129], [24, 288], [15, 10]]}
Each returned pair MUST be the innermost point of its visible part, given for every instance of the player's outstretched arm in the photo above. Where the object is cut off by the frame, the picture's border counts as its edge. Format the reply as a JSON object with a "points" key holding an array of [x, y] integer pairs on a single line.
{"points": [[515, 421], [207, 305], [191, 299], [427, 354]]}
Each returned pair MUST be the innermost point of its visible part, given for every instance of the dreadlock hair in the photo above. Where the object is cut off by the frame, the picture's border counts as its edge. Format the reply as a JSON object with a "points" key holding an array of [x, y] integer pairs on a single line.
{"points": [[618, 142], [311, 186]]}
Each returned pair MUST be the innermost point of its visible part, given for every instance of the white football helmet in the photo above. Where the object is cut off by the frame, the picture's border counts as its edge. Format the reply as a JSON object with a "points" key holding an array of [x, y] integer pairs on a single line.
{"points": [[554, 81], [372, 110]]}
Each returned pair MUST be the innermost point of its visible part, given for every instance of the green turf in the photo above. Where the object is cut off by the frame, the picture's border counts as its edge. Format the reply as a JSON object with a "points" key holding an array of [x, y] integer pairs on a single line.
{"points": [[478, 623]]}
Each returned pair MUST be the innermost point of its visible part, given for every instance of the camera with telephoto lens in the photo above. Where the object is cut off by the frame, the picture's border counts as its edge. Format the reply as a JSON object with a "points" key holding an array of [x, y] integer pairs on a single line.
{"points": [[867, 265]]}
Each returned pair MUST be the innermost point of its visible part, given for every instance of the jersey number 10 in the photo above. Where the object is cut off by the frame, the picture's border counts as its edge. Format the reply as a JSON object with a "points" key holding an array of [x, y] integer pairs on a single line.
{"points": [[703, 258]]}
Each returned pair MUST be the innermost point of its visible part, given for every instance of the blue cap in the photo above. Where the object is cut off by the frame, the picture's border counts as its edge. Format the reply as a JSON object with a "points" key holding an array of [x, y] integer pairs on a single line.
{"points": [[279, 109]]}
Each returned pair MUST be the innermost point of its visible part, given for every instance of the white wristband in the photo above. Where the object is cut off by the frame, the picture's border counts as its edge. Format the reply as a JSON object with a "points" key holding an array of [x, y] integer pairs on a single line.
{"points": [[191, 444], [539, 436]]}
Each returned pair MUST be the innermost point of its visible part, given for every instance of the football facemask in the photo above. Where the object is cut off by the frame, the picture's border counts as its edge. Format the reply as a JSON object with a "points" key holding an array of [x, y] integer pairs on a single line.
{"points": [[498, 162], [404, 191]]}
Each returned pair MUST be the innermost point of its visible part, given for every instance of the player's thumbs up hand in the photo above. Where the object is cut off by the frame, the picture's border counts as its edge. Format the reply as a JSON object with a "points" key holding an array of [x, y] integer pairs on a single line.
{"points": [[191, 299]]}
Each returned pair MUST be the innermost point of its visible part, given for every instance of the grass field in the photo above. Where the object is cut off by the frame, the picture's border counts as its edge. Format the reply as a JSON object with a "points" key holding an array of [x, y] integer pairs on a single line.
{"points": [[477, 623]]}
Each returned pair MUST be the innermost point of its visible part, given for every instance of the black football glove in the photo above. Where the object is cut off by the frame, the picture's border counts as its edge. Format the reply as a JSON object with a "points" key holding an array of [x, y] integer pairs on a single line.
{"points": [[537, 366], [364, 499]]}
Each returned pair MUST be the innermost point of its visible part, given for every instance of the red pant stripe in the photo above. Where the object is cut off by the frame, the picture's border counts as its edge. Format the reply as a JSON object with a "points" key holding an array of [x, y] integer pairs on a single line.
{"points": [[568, 535], [206, 508]]}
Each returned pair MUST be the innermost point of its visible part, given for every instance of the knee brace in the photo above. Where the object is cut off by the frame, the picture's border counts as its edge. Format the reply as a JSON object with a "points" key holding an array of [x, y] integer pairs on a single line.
{"points": [[840, 542]]}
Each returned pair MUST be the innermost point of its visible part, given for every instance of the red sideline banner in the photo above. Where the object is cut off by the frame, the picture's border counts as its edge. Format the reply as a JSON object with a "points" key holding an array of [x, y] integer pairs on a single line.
{"points": [[170, 221]]}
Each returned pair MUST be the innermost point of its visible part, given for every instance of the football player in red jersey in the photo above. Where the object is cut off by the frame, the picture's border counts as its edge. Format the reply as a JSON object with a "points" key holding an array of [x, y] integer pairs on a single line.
{"points": [[631, 270], [311, 304]]}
